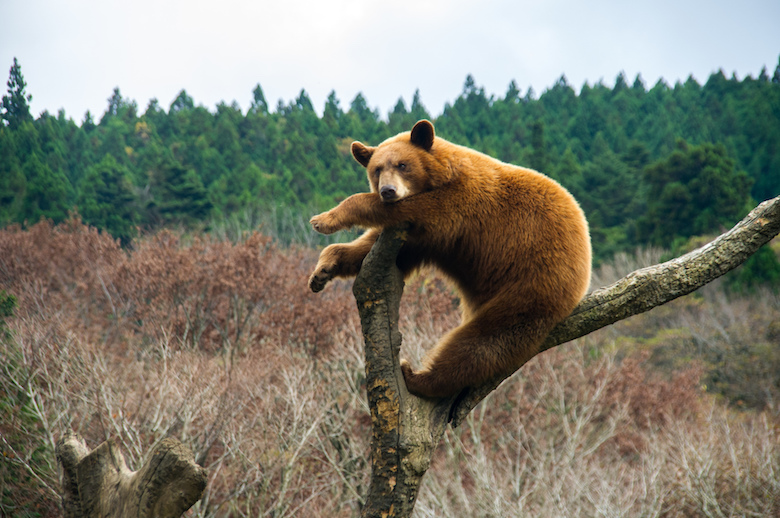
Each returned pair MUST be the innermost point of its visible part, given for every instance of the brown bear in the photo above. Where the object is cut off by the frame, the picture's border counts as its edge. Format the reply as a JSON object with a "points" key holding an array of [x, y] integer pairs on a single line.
{"points": [[514, 242]]}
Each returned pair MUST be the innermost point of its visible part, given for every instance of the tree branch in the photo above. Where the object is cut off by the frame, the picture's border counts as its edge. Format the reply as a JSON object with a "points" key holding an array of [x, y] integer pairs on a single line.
{"points": [[644, 289], [407, 429]]}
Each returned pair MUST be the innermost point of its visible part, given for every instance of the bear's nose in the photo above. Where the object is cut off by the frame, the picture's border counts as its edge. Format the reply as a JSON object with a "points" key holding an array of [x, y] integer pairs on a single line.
{"points": [[387, 192]]}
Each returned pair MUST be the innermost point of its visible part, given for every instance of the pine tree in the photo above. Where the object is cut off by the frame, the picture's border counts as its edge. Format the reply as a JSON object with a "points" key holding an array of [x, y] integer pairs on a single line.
{"points": [[259, 104], [13, 183], [418, 110], [539, 160], [398, 119], [15, 106], [332, 115], [106, 199], [182, 102], [48, 193], [181, 195]]}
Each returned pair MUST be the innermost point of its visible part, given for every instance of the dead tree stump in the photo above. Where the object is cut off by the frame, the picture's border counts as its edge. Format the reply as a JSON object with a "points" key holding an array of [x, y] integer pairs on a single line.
{"points": [[99, 483]]}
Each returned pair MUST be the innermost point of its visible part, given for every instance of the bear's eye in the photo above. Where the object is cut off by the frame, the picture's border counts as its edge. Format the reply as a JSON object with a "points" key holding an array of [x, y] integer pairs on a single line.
{"points": [[402, 166]]}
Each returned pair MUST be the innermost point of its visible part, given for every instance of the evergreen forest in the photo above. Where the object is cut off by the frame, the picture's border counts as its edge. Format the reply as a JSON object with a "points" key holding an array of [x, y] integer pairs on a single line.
{"points": [[650, 165]]}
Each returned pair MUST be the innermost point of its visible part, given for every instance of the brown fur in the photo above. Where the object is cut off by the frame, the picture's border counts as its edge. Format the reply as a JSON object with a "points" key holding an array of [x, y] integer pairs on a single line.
{"points": [[514, 242]]}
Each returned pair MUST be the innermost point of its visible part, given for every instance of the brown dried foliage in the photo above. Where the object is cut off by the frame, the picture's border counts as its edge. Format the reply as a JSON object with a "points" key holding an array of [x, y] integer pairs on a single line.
{"points": [[221, 345], [195, 292]]}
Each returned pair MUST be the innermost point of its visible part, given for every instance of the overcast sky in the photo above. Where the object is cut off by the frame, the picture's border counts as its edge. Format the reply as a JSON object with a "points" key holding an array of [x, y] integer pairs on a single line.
{"points": [[74, 53]]}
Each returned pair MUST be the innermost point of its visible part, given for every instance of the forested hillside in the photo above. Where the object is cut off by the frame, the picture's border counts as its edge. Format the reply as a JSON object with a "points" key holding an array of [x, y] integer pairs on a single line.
{"points": [[650, 164]]}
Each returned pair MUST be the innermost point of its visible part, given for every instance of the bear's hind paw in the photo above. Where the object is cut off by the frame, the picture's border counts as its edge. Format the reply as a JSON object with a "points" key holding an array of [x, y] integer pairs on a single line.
{"points": [[427, 383], [412, 379]]}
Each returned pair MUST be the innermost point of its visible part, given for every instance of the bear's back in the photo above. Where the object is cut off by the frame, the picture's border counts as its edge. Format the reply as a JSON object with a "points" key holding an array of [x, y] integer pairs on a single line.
{"points": [[517, 231]]}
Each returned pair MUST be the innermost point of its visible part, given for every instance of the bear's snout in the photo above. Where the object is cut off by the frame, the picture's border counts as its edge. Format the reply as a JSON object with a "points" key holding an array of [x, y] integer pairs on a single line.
{"points": [[388, 192]]}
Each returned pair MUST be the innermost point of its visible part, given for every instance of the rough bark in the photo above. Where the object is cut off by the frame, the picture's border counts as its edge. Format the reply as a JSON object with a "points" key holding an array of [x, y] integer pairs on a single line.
{"points": [[99, 484], [407, 429]]}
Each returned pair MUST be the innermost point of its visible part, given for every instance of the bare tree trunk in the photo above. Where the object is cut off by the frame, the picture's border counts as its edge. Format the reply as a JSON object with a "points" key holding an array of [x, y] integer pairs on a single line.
{"points": [[407, 429], [98, 484]]}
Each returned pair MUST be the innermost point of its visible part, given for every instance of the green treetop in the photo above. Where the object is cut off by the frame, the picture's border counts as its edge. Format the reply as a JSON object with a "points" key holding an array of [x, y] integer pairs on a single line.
{"points": [[695, 191], [15, 106]]}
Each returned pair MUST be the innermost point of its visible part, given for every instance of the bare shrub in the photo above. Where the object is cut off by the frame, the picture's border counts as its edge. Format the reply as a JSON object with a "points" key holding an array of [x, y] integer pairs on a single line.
{"points": [[622, 264], [728, 467], [121, 344], [220, 345], [215, 294], [428, 310], [577, 435], [53, 267]]}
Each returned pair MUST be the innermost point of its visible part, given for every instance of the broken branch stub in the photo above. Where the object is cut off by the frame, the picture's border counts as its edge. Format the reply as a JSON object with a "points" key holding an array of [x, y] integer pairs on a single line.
{"points": [[98, 483]]}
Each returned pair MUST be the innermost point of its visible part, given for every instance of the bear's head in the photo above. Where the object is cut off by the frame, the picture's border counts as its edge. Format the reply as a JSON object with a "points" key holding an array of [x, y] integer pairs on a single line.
{"points": [[403, 165]]}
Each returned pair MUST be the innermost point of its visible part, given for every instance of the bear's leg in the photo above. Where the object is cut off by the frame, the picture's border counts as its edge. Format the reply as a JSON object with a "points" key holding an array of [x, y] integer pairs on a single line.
{"points": [[341, 260], [473, 353]]}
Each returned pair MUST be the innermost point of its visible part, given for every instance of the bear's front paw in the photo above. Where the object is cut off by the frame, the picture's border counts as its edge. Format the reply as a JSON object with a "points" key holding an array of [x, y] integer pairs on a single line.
{"points": [[324, 223], [320, 277]]}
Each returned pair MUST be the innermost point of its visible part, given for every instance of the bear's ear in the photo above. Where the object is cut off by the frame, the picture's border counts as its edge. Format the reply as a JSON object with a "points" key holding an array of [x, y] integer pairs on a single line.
{"points": [[423, 134], [362, 153]]}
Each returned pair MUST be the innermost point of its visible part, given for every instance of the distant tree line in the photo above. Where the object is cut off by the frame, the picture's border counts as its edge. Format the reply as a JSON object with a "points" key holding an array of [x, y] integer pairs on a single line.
{"points": [[650, 166]]}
